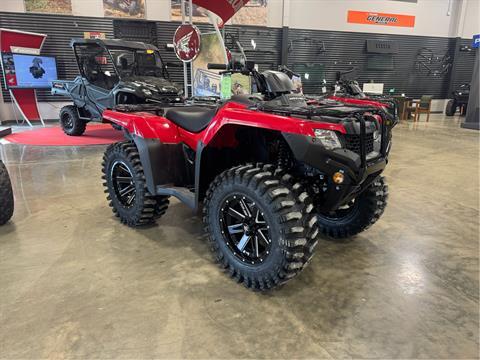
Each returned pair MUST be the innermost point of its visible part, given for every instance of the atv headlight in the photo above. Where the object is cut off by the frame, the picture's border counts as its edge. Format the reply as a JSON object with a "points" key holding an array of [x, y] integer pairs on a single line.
{"points": [[328, 138]]}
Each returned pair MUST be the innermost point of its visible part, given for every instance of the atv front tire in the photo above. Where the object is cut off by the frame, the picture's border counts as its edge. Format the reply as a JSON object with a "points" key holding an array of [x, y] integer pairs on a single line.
{"points": [[6, 195], [70, 122], [365, 210], [125, 185], [259, 230], [451, 108]]}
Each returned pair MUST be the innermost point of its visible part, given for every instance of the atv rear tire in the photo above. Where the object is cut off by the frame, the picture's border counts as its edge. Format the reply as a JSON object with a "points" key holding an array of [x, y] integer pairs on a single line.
{"points": [[451, 108], [70, 122], [6, 195], [366, 209], [125, 185], [275, 232]]}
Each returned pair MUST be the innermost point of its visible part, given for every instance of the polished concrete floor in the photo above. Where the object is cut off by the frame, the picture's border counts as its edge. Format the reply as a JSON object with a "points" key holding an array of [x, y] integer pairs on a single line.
{"points": [[74, 283]]}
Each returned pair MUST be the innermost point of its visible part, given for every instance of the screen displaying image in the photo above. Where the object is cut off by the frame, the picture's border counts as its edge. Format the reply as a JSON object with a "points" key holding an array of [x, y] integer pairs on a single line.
{"points": [[31, 71]]}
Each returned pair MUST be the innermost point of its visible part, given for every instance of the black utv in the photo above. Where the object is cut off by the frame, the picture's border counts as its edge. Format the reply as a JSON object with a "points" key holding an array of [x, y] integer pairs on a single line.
{"points": [[113, 72], [459, 101]]}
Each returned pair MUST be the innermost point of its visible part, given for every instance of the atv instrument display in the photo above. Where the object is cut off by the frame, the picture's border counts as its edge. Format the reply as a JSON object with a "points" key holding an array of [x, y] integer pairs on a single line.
{"points": [[269, 171], [113, 72]]}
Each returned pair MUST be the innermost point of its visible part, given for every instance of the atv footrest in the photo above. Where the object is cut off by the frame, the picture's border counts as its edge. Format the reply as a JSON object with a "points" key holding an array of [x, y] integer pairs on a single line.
{"points": [[181, 193]]}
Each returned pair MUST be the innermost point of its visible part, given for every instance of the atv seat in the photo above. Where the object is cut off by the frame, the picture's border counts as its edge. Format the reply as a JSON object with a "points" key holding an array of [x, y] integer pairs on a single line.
{"points": [[191, 118]]}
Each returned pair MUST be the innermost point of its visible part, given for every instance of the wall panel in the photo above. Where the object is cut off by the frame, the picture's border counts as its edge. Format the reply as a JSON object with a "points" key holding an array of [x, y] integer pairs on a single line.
{"points": [[343, 48]]}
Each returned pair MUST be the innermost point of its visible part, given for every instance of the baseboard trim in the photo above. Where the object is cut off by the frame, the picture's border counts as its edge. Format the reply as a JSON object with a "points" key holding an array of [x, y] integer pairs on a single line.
{"points": [[471, 126], [4, 131], [35, 122]]}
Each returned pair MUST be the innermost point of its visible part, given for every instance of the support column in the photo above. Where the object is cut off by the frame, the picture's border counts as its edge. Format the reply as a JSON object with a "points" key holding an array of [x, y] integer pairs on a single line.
{"points": [[472, 120]]}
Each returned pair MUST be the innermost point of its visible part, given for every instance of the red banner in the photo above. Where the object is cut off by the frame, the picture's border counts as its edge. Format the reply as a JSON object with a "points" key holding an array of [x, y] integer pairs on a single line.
{"points": [[373, 18]]}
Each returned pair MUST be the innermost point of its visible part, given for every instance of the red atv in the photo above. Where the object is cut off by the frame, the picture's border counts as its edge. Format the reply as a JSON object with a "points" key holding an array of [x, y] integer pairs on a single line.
{"points": [[269, 171], [348, 91]]}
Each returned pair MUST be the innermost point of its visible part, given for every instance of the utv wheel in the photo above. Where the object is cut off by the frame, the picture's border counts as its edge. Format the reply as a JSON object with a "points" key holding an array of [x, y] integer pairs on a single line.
{"points": [[359, 215], [259, 230], [6, 195], [126, 188], [451, 108], [70, 121]]}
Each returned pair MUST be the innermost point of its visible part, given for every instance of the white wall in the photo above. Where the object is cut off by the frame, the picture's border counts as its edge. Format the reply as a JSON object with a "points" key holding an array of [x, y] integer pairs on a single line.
{"points": [[154, 9], [431, 17], [158, 10], [471, 23], [87, 8], [12, 5]]}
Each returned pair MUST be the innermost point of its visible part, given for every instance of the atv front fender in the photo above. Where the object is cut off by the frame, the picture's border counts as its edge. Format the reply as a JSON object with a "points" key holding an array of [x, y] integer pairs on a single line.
{"points": [[310, 151]]}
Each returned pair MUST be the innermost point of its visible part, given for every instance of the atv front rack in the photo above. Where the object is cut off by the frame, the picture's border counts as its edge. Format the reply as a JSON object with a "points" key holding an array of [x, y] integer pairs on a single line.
{"points": [[314, 112]]}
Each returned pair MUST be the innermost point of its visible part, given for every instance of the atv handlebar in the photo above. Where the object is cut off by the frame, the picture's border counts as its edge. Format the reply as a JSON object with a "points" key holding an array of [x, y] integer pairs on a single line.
{"points": [[289, 72], [212, 66]]}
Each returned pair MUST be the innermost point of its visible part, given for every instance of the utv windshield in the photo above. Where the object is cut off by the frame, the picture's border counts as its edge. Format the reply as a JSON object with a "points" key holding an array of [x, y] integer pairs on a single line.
{"points": [[134, 62]]}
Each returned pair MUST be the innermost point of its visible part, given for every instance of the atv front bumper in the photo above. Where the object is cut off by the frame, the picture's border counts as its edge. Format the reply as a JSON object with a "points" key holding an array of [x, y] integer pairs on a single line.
{"points": [[358, 172]]}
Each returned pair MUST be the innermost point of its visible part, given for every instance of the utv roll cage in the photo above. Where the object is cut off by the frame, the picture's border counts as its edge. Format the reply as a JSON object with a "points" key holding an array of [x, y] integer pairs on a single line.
{"points": [[116, 44]]}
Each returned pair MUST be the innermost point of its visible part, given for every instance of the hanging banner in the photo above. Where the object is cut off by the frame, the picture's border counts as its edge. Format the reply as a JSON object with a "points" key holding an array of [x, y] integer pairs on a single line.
{"points": [[374, 18], [253, 13], [225, 9]]}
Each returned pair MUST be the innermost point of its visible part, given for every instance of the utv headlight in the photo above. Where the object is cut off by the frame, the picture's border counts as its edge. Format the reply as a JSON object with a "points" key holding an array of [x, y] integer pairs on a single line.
{"points": [[328, 138]]}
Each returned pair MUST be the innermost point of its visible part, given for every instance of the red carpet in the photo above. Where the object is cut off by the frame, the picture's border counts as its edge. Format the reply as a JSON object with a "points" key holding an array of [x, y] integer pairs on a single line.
{"points": [[96, 134]]}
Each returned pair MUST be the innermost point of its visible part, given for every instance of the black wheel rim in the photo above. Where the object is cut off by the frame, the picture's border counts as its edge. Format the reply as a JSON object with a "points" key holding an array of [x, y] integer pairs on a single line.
{"points": [[343, 212], [67, 121], [245, 229], [123, 184]]}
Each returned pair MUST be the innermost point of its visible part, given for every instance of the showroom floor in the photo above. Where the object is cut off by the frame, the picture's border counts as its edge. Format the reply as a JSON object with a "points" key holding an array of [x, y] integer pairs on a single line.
{"points": [[76, 283]]}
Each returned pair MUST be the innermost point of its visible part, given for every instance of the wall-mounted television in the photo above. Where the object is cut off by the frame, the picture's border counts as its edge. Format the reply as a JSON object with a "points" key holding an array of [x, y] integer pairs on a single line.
{"points": [[22, 71]]}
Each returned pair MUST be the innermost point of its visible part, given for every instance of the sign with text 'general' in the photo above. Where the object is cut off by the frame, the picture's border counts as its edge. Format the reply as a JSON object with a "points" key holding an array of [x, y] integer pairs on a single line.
{"points": [[374, 18]]}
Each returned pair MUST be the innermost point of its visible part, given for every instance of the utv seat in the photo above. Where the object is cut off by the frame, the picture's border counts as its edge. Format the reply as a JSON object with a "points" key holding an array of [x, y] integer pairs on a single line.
{"points": [[191, 118]]}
